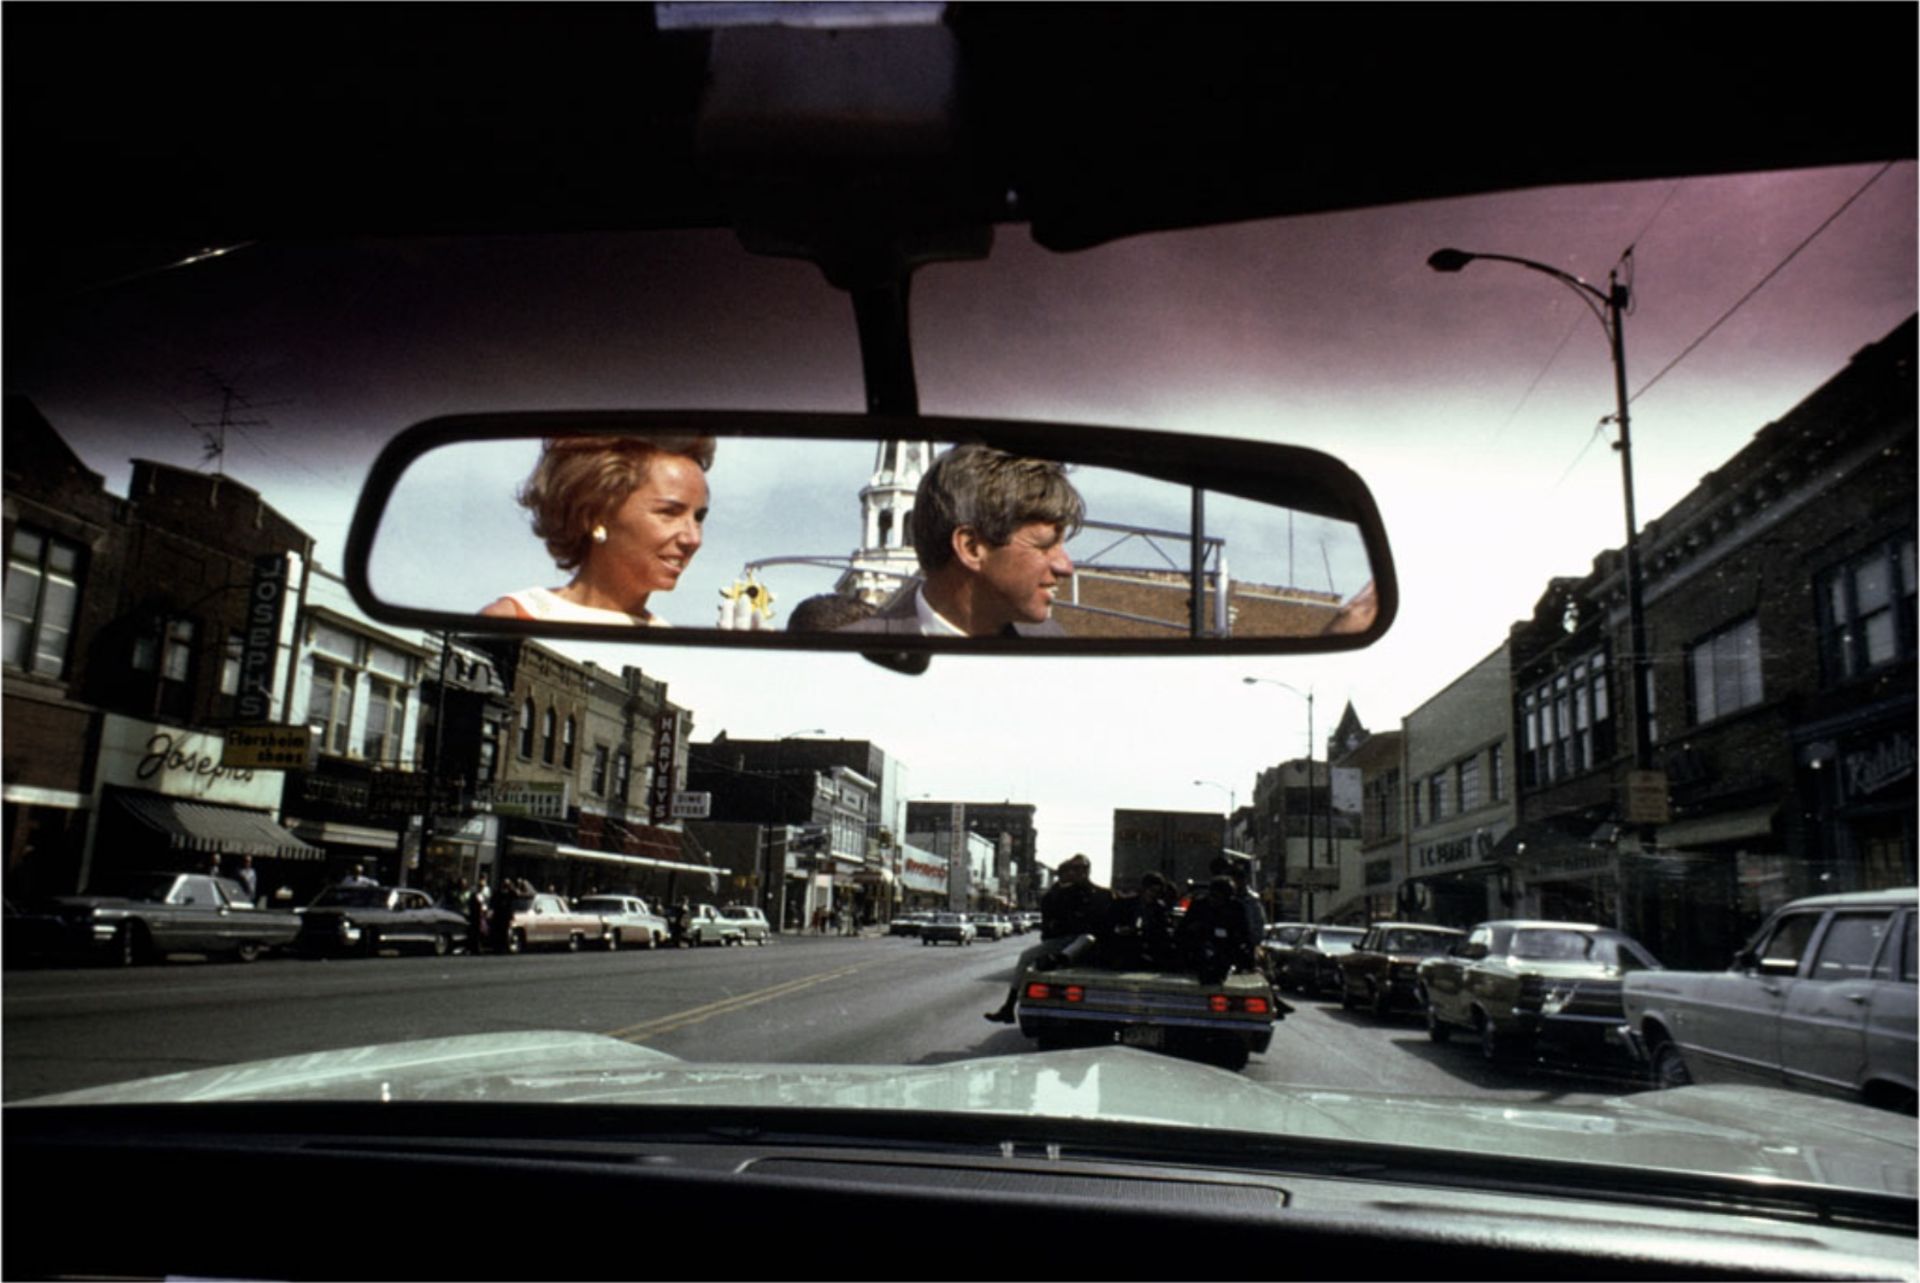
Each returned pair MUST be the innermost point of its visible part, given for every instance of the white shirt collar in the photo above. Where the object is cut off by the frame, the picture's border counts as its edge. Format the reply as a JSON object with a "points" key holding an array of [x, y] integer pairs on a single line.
{"points": [[932, 622]]}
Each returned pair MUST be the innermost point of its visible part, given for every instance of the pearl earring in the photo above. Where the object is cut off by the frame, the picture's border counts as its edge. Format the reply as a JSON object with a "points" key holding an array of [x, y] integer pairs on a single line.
{"points": [[599, 534]]}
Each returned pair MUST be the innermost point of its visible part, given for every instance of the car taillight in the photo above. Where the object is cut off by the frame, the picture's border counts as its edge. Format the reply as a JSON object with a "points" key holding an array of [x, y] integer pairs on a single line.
{"points": [[1219, 1002], [1256, 1006], [1039, 991], [1075, 993]]}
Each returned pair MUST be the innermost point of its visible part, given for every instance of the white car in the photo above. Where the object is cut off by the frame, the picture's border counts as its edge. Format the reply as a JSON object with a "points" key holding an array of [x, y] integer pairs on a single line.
{"points": [[631, 921], [1822, 1000], [753, 925]]}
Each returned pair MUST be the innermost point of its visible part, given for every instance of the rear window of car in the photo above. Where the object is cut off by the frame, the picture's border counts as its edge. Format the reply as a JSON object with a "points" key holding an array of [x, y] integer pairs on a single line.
{"points": [[1559, 946]]}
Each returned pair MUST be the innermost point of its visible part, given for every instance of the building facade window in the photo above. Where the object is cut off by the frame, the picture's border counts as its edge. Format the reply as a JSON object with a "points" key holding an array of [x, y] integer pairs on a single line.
{"points": [[1723, 672], [566, 744], [330, 705], [1866, 611], [42, 596], [1497, 772], [230, 664], [1436, 797], [598, 786], [622, 776], [547, 736], [526, 729], [1467, 779], [1566, 722], [386, 716]]}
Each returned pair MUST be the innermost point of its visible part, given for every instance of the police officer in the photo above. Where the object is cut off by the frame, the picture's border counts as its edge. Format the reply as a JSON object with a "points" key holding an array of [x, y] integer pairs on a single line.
{"points": [[1139, 930], [1216, 936], [1072, 907]]}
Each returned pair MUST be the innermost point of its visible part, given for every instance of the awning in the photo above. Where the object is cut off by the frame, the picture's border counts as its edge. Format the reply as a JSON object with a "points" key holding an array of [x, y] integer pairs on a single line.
{"points": [[346, 834], [1727, 826], [560, 850], [198, 826]]}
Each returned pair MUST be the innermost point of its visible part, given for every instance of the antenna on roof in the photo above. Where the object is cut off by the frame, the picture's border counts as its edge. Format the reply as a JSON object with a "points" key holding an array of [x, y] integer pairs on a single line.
{"points": [[213, 432]]}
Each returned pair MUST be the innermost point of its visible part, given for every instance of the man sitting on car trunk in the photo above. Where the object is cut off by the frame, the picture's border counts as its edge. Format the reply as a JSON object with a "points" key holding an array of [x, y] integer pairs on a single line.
{"points": [[990, 529], [1072, 908]]}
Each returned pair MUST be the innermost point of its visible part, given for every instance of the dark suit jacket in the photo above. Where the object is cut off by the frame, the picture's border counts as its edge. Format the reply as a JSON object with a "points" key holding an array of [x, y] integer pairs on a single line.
{"points": [[901, 617]]}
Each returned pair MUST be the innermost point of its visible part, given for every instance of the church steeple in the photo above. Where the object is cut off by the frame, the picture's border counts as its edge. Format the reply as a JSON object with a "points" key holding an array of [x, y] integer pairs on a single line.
{"points": [[885, 558]]}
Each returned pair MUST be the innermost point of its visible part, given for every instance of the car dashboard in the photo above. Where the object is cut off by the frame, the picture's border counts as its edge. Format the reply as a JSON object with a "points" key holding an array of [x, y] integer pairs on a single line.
{"points": [[1072, 1198]]}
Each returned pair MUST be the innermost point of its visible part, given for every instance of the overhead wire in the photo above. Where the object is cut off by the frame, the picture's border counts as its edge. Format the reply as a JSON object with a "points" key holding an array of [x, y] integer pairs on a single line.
{"points": [[1762, 282]]}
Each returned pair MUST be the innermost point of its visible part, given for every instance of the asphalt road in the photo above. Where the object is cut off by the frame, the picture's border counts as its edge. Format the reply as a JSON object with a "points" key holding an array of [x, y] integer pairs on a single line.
{"points": [[867, 1000]]}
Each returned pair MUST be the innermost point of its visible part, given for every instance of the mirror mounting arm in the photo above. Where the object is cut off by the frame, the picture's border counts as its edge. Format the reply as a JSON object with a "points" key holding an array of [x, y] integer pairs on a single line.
{"points": [[886, 347]]}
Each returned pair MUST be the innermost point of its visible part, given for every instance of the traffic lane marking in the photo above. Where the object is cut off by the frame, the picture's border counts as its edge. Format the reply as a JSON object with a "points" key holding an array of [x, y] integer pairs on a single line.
{"points": [[694, 1015]]}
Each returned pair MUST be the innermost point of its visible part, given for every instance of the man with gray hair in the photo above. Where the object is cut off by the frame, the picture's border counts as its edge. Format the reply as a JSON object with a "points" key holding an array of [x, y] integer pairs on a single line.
{"points": [[990, 530]]}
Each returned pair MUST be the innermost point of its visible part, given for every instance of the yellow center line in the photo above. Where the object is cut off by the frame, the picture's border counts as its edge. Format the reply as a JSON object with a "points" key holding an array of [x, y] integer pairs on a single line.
{"points": [[694, 1015]]}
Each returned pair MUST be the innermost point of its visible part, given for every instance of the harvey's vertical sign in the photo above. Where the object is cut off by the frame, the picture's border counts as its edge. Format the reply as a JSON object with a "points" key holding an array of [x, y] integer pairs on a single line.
{"points": [[266, 607]]}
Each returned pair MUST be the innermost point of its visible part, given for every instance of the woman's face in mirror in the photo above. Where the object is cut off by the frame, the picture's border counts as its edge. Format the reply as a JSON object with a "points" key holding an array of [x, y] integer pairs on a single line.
{"points": [[653, 535]]}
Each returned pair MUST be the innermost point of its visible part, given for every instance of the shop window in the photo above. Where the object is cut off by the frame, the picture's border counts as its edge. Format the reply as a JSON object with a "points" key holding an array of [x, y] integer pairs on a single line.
{"points": [[1867, 611], [386, 716], [526, 730], [546, 736], [42, 596], [566, 744], [330, 705], [1724, 672]]}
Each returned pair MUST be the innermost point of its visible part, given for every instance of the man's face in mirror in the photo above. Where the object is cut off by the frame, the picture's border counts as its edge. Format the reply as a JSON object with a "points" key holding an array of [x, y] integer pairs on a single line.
{"points": [[1025, 573]]}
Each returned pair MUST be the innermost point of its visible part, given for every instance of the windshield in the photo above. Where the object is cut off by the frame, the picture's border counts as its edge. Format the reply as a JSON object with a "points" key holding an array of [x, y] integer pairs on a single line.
{"points": [[191, 441], [352, 898], [1417, 942]]}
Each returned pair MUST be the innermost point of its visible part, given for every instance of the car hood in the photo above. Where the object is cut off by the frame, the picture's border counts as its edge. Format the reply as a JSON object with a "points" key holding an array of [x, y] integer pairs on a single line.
{"points": [[1755, 1133]]}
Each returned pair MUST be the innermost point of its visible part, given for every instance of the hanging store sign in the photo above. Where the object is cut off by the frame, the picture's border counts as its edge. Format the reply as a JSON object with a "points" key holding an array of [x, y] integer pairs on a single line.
{"points": [[666, 730], [1876, 766], [692, 806], [266, 604], [269, 748]]}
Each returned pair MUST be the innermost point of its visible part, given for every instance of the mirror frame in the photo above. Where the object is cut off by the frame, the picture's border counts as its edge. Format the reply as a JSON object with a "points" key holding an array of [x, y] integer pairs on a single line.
{"points": [[1291, 476]]}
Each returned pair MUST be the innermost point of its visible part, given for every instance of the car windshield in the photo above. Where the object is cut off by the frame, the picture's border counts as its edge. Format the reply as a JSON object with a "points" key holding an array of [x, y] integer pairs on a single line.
{"points": [[345, 897], [1417, 942], [1668, 740]]}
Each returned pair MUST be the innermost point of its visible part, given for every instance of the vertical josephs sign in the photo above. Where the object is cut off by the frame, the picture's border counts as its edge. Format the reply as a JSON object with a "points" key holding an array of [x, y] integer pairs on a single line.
{"points": [[666, 729], [266, 602]]}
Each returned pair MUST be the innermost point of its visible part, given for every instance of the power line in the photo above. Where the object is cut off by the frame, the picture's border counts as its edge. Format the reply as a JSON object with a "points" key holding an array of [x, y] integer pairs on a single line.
{"points": [[1761, 284]]}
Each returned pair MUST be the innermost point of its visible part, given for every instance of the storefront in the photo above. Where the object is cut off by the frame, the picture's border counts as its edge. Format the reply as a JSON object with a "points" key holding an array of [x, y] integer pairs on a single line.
{"points": [[923, 880], [1457, 879], [165, 802], [1856, 778]]}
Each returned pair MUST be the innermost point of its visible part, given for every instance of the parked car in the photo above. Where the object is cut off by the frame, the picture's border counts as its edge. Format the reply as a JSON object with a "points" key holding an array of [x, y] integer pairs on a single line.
{"points": [[1313, 965], [350, 918], [1821, 1000], [704, 925], [908, 924], [1521, 985], [1382, 971], [1276, 948], [145, 916], [753, 924], [628, 920], [949, 928], [545, 921]]}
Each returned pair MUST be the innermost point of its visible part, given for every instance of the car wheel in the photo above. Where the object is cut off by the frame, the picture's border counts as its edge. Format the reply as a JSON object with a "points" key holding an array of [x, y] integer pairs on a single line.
{"points": [[1437, 1029], [1346, 996], [1382, 997], [442, 945], [1669, 1070], [126, 945], [653, 939], [1494, 1045], [247, 951], [516, 941], [613, 941]]}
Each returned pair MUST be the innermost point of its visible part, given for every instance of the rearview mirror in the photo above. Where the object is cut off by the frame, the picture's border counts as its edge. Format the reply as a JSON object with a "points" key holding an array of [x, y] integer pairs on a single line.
{"points": [[800, 531]]}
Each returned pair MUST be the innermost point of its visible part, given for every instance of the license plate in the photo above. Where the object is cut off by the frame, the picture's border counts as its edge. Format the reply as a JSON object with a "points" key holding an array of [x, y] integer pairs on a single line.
{"points": [[1149, 1036]]}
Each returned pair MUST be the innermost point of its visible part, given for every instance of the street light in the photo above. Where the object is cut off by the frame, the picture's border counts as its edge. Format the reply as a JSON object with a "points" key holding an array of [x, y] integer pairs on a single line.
{"points": [[1308, 696], [1608, 307], [1232, 797]]}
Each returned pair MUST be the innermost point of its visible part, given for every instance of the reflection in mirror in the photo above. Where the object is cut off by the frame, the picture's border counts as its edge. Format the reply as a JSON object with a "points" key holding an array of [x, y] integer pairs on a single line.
{"points": [[770, 534]]}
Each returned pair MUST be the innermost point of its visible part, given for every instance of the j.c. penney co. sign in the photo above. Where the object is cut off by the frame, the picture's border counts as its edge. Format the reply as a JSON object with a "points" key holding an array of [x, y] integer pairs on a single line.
{"points": [[179, 763]]}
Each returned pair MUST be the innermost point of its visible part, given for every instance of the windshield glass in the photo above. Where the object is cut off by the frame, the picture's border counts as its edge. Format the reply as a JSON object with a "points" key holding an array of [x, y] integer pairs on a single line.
{"points": [[1486, 761], [352, 898]]}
